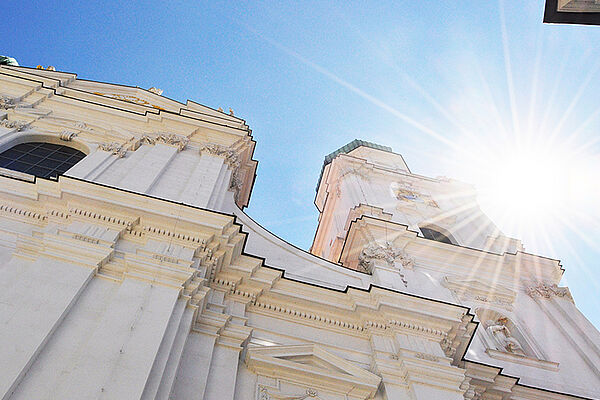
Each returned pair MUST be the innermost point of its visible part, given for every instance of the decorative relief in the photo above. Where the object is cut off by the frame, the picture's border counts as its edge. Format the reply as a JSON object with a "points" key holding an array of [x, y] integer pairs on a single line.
{"points": [[161, 257], [493, 300], [472, 392], [129, 99], [447, 347], [472, 290], [373, 251], [114, 148], [67, 136], [236, 182], [422, 356], [6, 103], [231, 158], [265, 394], [174, 140], [404, 192], [170, 139], [17, 125], [547, 291]]}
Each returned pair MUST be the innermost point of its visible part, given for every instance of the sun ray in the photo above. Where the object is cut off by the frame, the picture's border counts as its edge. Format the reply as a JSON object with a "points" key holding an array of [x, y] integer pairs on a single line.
{"points": [[551, 99], [565, 115], [508, 70]]}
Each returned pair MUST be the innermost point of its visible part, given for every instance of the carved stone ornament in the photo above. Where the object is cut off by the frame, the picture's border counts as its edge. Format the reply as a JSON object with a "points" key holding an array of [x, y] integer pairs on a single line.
{"points": [[373, 251], [405, 193], [17, 125], [114, 148], [7, 103], [231, 158], [265, 394], [448, 348], [129, 99], [170, 139], [547, 291], [67, 136], [472, 392]]}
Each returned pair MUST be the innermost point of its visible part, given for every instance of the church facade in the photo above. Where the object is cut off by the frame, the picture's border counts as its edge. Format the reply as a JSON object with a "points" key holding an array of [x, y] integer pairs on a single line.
{"points": [[130, 270]]}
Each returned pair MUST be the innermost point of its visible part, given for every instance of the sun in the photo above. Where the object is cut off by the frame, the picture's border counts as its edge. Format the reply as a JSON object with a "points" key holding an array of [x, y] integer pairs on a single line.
{"points": [[528, 184], [533, 188]]}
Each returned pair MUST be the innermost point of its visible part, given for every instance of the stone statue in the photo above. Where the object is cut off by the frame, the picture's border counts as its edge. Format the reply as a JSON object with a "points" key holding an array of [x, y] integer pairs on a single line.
{"points": [[501, 334]]}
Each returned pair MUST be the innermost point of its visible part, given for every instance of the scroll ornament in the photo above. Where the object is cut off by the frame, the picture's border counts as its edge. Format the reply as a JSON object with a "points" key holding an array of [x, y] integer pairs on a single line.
{"points": [[67, 136]]}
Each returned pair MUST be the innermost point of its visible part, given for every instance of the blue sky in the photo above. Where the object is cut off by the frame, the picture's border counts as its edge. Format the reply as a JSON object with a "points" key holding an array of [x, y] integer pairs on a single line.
{"points": [[438, 82]]}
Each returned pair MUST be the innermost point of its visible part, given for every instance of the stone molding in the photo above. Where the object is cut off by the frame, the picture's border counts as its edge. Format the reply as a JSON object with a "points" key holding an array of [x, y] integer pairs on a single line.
{"points": [[265, 394], [355, 325], [18, 211]]}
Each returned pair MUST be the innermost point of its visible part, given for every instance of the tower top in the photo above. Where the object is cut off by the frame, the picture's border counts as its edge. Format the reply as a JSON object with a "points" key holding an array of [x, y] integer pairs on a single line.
{"points": [[353, 145]]}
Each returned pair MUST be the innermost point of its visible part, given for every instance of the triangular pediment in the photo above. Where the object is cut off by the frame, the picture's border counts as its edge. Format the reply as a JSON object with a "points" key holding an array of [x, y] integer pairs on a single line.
{"points": [[312, 365]]}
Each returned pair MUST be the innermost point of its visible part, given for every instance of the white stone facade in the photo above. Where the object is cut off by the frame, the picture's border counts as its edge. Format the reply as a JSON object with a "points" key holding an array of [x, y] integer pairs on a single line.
{"points": [[138, 275]]}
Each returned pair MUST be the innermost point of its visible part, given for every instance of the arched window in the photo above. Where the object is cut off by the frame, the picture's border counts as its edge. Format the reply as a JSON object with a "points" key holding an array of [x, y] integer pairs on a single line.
{"points": [[432, 234], [45, 160]]}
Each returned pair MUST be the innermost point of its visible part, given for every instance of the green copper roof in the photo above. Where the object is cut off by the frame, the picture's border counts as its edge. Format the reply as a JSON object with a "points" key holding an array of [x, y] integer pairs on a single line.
{"points": [[4, 60], [356, 143]]}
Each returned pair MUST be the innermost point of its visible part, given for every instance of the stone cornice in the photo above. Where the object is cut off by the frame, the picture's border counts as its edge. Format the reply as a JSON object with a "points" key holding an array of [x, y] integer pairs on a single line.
{"points": [[123, 216], [452, 259]]}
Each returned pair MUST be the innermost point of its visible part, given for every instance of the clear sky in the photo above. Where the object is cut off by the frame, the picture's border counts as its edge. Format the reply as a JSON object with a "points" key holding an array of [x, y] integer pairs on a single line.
{"points": [[456, 87]]}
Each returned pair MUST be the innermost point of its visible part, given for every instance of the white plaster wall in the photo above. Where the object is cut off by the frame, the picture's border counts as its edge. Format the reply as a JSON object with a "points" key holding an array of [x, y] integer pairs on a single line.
{"points": [[106, 347], [34, 298]]}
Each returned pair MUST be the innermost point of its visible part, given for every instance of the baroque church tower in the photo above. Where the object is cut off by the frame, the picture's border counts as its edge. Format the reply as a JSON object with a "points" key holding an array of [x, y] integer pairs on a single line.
{"points": [[130, 270]]}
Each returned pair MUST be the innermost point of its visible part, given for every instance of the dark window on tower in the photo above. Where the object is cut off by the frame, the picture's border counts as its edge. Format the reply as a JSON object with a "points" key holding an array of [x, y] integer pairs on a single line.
{"points": [[435, 235], [45, 160]]}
